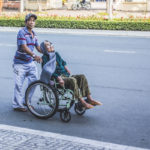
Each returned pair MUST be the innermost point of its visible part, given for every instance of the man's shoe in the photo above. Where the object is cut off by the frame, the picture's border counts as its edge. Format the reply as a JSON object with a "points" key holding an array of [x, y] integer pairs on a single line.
{"points": [[20, 109]]}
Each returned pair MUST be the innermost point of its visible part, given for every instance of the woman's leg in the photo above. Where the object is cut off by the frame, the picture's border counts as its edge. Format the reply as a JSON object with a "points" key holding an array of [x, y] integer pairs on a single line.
{"points": [[71, 83], [84, 88], [82, 84]]}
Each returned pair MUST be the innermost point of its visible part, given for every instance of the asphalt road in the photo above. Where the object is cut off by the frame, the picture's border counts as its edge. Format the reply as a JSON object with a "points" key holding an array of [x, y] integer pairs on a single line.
{"points": [[118, 71]]}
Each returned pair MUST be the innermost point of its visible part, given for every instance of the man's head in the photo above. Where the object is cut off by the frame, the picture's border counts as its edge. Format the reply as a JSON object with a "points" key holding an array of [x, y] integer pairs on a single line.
{"points": [[47, 47], [30, 20]]}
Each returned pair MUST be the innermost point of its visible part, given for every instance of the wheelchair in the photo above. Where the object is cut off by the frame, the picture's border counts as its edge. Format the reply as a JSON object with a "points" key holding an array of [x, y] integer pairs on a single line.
{"points": [[44, 100]]}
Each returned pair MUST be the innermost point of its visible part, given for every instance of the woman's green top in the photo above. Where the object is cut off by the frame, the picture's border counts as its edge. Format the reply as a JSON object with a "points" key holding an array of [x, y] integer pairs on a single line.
{"points": [[60, 65]]}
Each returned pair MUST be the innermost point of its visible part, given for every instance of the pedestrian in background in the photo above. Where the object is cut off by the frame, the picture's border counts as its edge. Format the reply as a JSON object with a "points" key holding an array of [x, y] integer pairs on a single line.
{"points": [[24, 67]]}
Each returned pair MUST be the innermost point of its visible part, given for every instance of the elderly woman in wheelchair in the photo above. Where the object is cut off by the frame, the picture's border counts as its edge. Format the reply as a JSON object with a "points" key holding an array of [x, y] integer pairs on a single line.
{"points": [[57, 90]]}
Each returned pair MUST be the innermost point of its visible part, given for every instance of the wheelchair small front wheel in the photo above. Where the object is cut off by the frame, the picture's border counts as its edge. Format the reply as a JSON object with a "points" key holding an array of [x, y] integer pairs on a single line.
{"points": [[79, 109], [65, 116]]}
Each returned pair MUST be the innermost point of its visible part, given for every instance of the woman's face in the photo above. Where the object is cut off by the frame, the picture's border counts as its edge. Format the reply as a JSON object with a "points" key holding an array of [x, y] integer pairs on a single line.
{"points": [[49, 46]]}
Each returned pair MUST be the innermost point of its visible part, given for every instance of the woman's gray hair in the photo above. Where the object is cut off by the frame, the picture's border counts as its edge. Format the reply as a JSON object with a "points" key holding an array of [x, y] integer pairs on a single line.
{"points": [[43, 48]]}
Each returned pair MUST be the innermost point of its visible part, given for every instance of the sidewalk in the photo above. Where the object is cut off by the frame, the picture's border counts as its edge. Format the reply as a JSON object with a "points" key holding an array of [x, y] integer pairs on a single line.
{"points": [[16, 138], [145, 34]]}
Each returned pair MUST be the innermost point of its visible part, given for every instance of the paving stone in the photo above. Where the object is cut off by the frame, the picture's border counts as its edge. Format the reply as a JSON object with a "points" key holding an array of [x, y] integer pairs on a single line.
{"points": [[16, 140]]}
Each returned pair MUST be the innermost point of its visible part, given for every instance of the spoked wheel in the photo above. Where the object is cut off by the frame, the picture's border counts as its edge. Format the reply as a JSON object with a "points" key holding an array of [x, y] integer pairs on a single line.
{"points": [[41, 100], [79, 109], [65, 116]]}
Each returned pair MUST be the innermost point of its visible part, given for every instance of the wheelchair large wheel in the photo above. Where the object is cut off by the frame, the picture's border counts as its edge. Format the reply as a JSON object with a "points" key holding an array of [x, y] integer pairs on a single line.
{"points": [[41, 100], [79, 109]]}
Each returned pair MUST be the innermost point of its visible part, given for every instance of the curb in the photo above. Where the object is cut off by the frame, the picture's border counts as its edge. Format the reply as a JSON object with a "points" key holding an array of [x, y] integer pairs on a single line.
{"points": [[32, 138]]}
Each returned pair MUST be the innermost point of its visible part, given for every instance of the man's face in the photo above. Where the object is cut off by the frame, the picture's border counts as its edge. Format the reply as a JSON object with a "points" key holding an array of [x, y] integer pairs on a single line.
{"points": [[30, 23]]}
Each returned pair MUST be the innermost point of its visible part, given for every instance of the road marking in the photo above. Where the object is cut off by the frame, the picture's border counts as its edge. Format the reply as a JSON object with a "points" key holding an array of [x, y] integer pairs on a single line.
{"points": [[9, 45], [77, 140], [116, 51]]}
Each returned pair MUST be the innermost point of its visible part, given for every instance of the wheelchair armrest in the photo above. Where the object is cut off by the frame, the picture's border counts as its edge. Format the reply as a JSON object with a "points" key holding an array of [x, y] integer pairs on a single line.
{"points": [[52, 82], [56, 84]]}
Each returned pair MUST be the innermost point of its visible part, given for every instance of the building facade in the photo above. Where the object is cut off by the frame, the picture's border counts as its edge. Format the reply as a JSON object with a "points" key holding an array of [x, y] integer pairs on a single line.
{"points": [[38, 5]]}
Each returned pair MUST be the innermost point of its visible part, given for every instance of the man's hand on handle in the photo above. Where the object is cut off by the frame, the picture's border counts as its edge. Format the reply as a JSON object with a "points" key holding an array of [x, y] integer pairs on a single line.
{"points": [[38, 59]]}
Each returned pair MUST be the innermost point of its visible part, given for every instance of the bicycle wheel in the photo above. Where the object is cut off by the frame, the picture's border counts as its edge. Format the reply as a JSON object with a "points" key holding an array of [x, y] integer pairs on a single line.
{"points": [[74, 7], [87, 6], [41, 100]]}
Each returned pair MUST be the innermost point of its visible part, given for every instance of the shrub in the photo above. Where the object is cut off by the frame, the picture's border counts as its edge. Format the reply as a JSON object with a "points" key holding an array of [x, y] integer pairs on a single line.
{"points": [[80, 24]]}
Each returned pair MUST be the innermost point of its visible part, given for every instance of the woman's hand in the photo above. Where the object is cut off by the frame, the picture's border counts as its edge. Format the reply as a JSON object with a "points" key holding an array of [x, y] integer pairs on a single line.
{"points": [[61, 81]]}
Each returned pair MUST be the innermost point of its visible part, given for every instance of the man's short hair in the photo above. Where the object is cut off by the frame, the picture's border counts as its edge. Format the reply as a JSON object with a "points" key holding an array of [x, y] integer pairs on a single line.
{"points": [[28, 16]]}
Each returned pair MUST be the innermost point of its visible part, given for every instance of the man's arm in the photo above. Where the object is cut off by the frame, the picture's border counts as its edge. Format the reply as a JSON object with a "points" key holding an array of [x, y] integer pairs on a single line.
{"points": [[25, 48], [38, 49]]}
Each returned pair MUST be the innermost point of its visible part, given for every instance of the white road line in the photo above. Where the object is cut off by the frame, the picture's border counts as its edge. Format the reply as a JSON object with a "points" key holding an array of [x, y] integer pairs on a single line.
{"points": [[94, 143], [116, 51], [9, 45]]}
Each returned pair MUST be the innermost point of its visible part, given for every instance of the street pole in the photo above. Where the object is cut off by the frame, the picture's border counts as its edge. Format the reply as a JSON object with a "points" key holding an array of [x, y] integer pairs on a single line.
{"points": [[146, 8], [110, 8], [39, 7], [21, 6]]}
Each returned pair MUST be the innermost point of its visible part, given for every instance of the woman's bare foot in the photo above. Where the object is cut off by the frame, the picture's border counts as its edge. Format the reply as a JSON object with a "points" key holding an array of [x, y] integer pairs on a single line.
{"points": [[93, 102], [86, 105]]}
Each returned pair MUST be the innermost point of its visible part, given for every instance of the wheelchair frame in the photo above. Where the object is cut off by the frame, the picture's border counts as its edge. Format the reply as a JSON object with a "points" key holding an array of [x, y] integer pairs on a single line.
{"points": [[60, 95]]}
